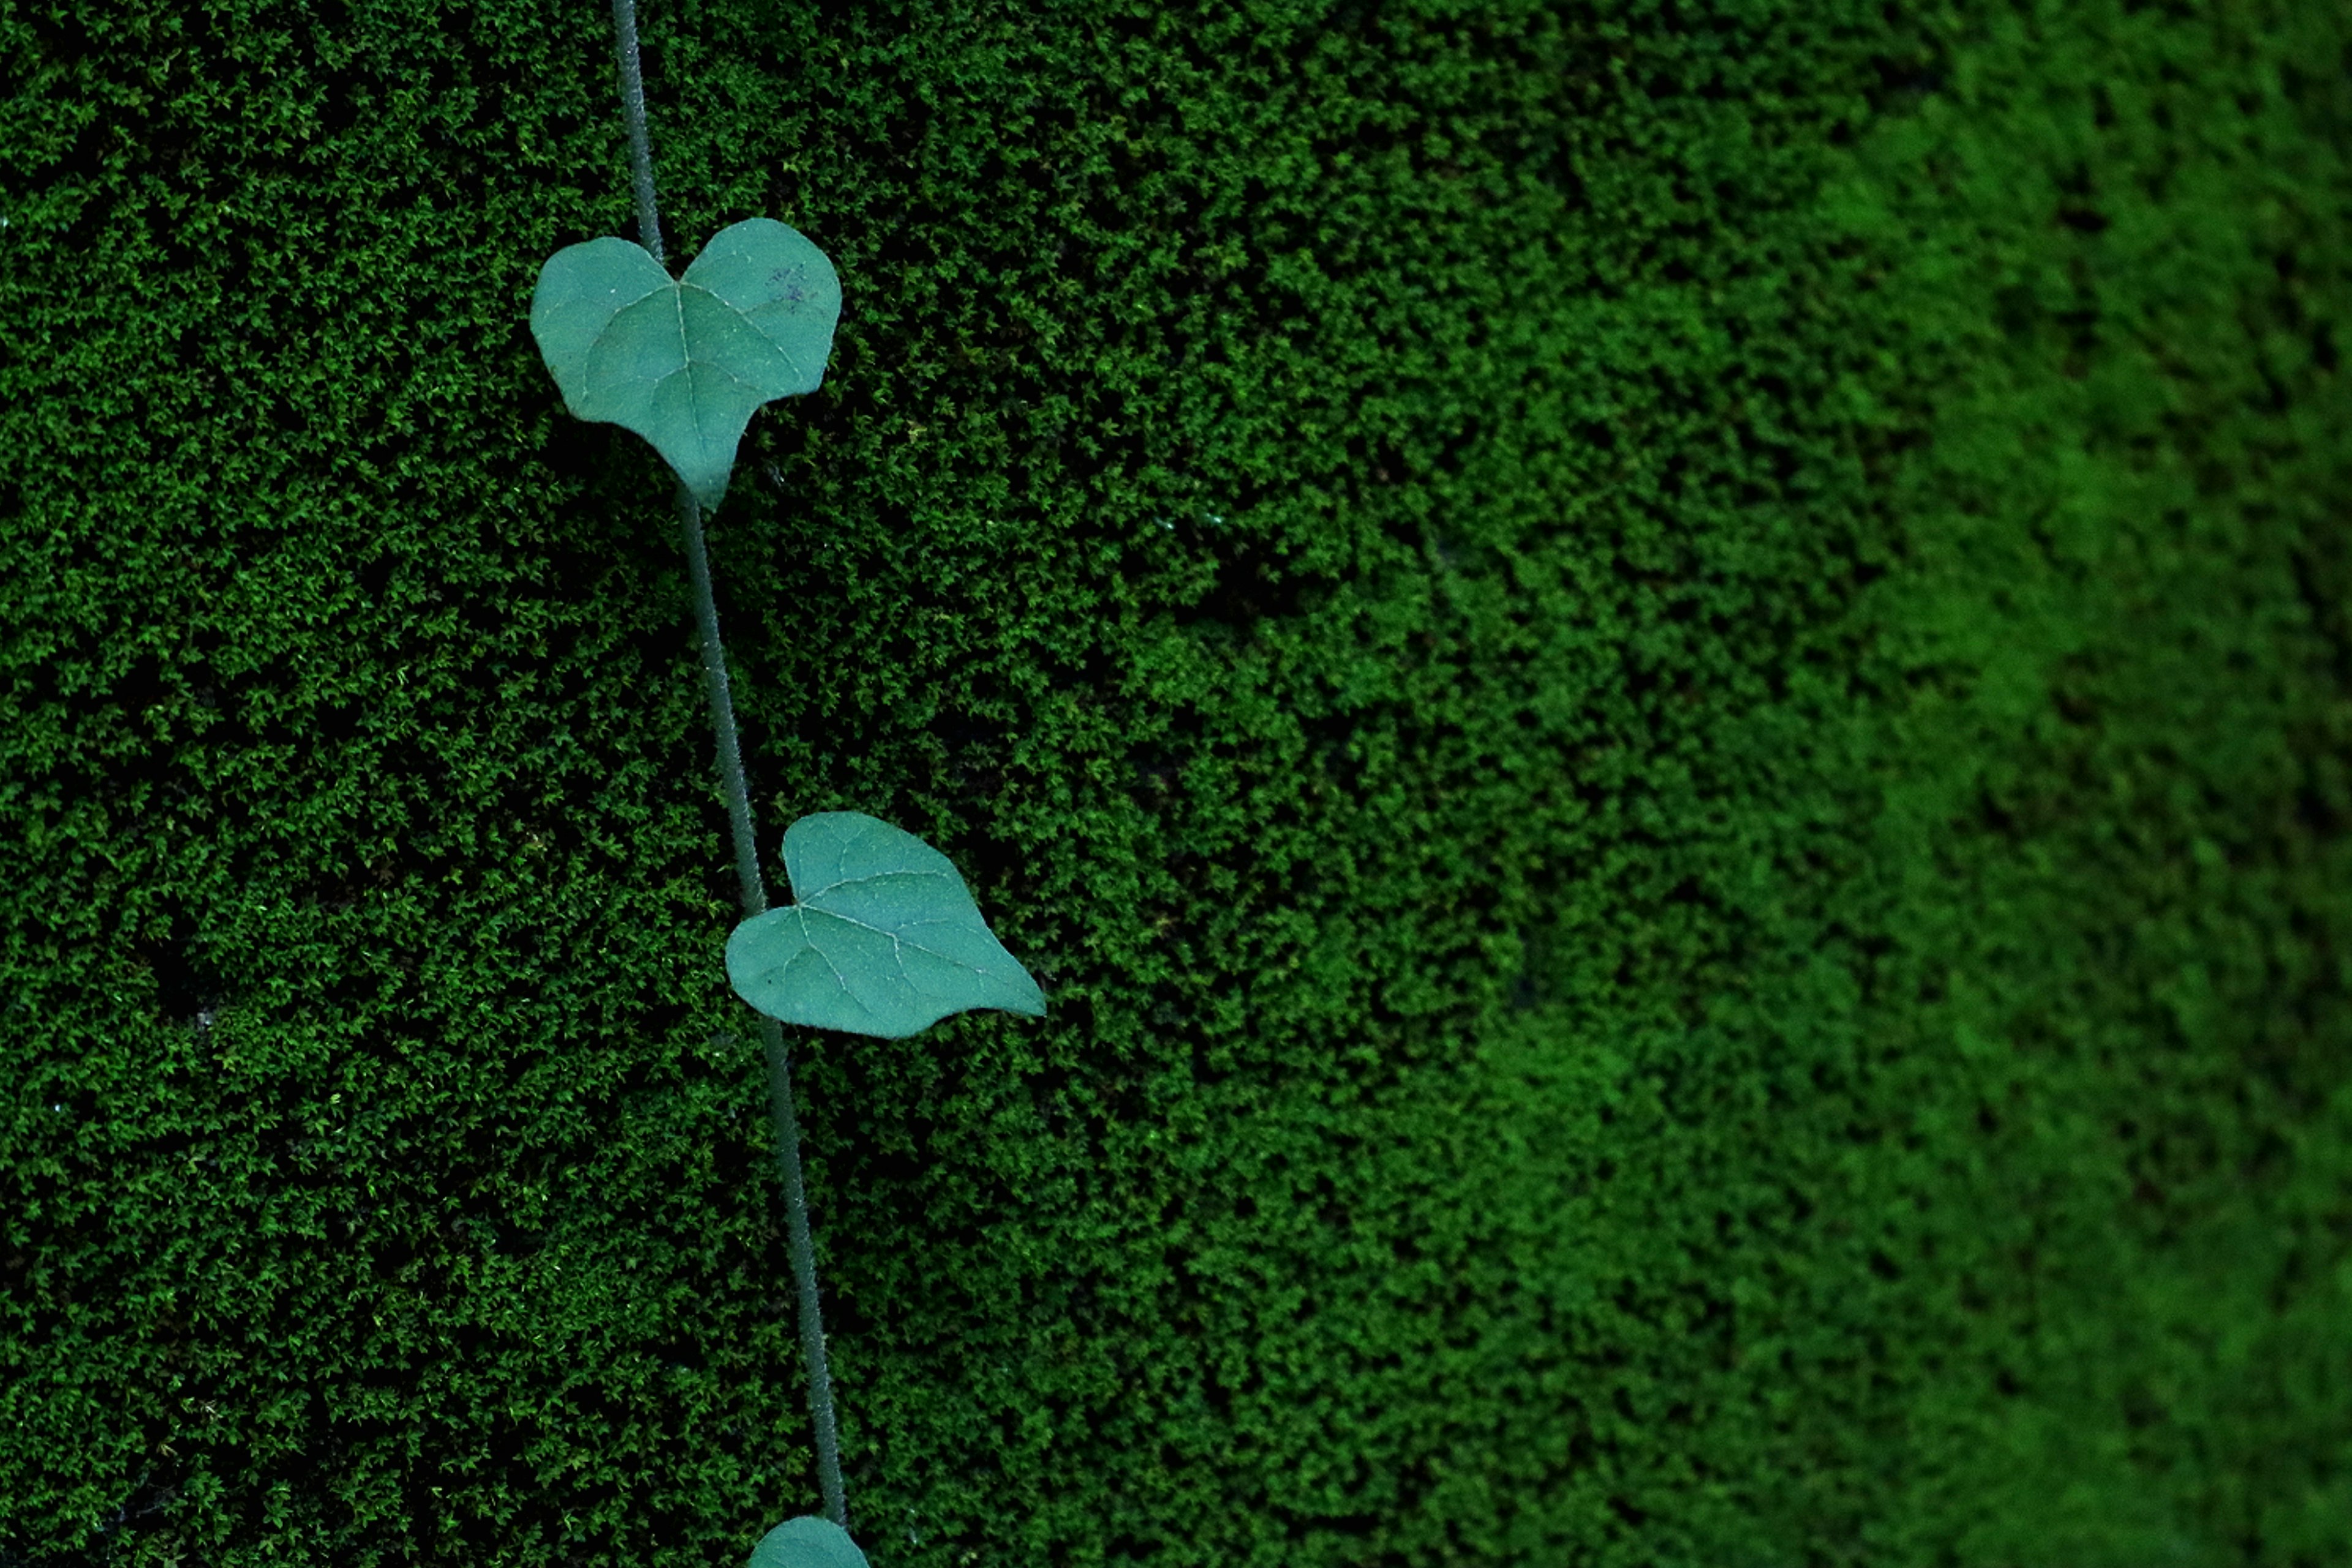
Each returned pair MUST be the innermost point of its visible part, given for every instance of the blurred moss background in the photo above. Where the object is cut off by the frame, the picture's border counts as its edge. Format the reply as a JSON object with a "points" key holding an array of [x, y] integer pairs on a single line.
{"points": [[1661, 687]]}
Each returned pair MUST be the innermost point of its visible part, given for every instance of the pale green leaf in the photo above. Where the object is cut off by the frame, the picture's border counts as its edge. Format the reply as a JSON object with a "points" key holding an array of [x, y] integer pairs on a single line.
{"points": [[808, 1541], [885, 939], [684, 363]]}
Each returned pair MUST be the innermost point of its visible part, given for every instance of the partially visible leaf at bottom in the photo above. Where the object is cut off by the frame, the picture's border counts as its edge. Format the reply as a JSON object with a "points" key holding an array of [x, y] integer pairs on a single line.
{"points": [[808, 1541], [885, 939]]}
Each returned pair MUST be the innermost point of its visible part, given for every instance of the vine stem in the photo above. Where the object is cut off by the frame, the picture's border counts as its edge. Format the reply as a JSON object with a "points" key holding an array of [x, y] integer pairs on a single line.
{"points": [[754, 891]]}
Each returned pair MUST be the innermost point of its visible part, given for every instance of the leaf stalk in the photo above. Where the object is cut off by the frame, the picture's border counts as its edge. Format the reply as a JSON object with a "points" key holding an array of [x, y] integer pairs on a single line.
{"points": [[753, 887]]}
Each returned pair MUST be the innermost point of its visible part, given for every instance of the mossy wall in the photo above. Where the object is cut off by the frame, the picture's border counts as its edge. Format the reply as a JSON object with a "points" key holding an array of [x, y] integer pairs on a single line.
{"points": [[1662, 689]]}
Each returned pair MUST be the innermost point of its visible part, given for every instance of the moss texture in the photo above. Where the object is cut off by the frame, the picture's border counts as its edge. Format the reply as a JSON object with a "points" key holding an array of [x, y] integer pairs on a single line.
{"points": [[1662, 689]]}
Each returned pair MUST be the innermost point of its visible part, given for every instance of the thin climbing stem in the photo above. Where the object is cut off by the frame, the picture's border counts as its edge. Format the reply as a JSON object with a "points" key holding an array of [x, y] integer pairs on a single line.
{"points": [[753, 887], [780, 1073], [633, 111]]}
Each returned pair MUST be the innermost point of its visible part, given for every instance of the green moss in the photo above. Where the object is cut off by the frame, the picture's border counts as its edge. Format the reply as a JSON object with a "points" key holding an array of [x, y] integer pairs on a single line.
{"points": [[1661, 694]]}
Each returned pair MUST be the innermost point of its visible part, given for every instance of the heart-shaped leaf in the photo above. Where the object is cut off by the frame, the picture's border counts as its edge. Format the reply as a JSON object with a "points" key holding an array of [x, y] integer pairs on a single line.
{"points": [[807, 1541], [885, 940], [684, 363]]}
